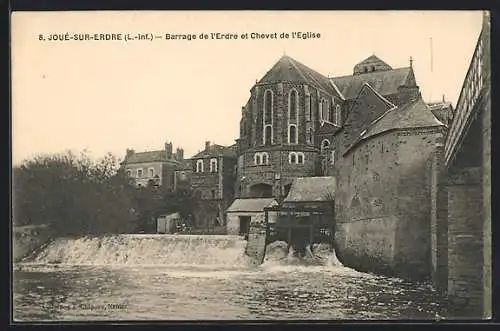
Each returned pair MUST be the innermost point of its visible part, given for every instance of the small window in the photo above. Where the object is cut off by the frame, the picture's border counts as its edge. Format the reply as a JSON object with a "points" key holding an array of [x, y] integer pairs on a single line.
{"points": [[338, 115], [129, 173], [292, 158], [268, 135], [139, 173], [213, 165], [292, 135], [199, 166], [333, 157], [325, 144], [300, 158], [310, 135], [257, 159], [265, 158], [151, 172], [213, 194]]}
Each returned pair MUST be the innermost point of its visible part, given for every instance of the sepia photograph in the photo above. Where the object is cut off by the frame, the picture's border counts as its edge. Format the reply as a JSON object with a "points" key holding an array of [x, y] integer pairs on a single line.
{"points": [[250, 166]]}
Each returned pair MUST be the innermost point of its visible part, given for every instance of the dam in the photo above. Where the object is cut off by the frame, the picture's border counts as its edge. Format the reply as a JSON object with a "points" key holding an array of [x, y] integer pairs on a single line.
{"points": [[202, 277]]}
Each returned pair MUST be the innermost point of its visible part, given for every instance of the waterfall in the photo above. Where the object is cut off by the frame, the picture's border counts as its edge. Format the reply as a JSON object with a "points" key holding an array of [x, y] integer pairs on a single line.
{"points": [[175, 250]]}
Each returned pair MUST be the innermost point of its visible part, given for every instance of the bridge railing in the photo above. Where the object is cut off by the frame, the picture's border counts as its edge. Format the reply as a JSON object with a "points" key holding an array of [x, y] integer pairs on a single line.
{"points": [[472, 87]]}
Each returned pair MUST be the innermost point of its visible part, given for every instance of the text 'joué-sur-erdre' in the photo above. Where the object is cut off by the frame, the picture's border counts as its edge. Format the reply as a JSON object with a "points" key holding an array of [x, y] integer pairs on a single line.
{"points": [[179, 36]]}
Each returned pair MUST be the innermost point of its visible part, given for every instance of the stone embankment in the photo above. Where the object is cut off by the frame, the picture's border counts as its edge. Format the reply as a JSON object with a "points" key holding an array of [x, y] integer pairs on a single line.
{"points": [[26, 239]]}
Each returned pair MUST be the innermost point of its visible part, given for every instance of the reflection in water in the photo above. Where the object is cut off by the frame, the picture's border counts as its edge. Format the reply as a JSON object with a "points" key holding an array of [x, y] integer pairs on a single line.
{"points": [[276, 290]]}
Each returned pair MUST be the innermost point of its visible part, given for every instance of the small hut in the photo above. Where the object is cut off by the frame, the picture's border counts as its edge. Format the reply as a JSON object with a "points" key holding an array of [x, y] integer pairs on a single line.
{"points": [[167, 223]]}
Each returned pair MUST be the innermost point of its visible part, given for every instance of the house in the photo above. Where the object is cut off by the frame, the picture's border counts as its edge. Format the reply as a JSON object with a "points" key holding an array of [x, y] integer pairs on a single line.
{"points": [[154, 167]]}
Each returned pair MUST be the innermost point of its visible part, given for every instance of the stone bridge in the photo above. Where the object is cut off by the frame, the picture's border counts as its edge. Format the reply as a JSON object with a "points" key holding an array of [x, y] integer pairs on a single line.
{"points": [[461, 222]]}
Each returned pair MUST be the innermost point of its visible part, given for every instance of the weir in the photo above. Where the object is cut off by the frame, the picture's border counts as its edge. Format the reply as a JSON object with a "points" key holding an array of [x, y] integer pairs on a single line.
{"points": [[116, 250], [221, 251]]}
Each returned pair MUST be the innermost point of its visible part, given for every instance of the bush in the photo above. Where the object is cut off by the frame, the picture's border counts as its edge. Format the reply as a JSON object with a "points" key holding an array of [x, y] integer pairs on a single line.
{"points": [[73, 195]]}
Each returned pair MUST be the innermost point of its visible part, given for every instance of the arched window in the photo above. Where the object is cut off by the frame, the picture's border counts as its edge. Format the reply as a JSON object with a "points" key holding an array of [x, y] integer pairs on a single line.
{"points": [[129, 173], [292, 158], [331, 115], [292, 134], [199, 166], [265, 158], [213, 165], [268, 107], [257, 159], [310, 136], [309, 111], [268, 135], [293, 104], [338, 115], [324, 110], [325, 145], [300, 158]]}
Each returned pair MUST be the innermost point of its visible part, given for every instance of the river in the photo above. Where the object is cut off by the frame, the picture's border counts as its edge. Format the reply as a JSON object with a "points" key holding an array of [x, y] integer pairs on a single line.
{"points": [[168, 277]]}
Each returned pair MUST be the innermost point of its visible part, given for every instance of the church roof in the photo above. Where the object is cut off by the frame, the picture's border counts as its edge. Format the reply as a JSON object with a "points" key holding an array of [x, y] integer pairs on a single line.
{"points": [[412, 115], [216, 150], [311, 189], [384, 82], [327, 128], [373, 59], [290, 70], [415, 114]]}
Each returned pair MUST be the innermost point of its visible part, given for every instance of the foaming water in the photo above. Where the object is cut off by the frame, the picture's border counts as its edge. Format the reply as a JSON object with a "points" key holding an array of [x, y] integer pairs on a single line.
{"points": [[144, 250], [169, 277]]}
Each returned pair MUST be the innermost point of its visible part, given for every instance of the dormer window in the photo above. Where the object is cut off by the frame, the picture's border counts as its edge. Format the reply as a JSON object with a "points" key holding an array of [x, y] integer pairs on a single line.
{"points": [[213, 165], [199, 166]]}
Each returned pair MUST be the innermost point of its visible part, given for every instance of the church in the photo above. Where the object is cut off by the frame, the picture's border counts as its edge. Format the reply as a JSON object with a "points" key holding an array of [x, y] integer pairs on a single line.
{"points": [[370, 132]]}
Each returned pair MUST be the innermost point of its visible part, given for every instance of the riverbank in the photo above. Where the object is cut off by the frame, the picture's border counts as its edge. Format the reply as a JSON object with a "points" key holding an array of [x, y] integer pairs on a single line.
{"points": [[26, 239]]}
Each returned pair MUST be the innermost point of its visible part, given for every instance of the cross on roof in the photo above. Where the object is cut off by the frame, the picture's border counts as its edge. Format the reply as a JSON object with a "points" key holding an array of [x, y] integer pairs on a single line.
{"points": [[411, 62]]}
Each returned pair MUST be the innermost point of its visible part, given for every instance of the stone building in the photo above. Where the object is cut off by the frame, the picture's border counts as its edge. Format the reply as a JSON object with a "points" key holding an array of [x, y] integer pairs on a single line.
{"points": [[278, 127], [154, 167], [212, 177], [371, 131]]}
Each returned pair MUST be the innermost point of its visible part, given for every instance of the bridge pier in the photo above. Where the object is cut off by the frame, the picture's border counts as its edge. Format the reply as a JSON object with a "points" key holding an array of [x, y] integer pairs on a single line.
{"points": [[465, 243]]}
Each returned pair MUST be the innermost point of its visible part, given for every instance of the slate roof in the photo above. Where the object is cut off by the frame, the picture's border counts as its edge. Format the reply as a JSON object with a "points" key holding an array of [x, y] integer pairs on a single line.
{"points": [[251, 205], [327, 128], [311, 189], [152, 156], [373, 59], [384, 82], [290, 70], [442, 110], [216, 150]]}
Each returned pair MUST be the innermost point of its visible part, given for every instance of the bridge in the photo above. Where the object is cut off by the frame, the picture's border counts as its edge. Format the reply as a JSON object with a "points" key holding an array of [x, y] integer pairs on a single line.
{"points": [[462, 245]]}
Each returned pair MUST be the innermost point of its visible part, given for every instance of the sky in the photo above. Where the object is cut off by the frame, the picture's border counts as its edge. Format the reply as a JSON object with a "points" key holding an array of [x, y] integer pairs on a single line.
{"points": [[107, 96]]}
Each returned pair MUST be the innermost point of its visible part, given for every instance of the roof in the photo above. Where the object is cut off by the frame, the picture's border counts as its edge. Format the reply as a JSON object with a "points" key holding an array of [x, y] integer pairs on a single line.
{"points": [[290, 70], [415, 114], [216, 150], [442, 110], [152, 156], [327, 128], [373, 60], [311, 189], [251, 205], [384, 82]]}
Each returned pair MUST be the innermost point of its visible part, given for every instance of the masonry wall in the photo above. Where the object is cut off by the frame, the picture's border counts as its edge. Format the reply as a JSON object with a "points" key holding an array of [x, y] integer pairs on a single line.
{"points": [[143, 180], [366, 205], [413, 253], [233, 220], [465, 242]]}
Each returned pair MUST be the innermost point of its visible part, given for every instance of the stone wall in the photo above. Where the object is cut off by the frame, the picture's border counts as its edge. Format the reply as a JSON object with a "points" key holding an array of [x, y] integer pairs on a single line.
{"points": [[465, 244], [26, 239], [383, 186]]}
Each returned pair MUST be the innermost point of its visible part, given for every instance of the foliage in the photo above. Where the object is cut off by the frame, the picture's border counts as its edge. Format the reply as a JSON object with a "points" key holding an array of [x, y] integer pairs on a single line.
{"points": [[73, 195], [76, 195]]}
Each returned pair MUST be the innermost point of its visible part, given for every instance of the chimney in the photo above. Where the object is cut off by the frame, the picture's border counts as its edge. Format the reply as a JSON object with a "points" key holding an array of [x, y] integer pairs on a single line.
{"points": [[168, 150], [207, 145], [180, 154], [129, 152]]}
